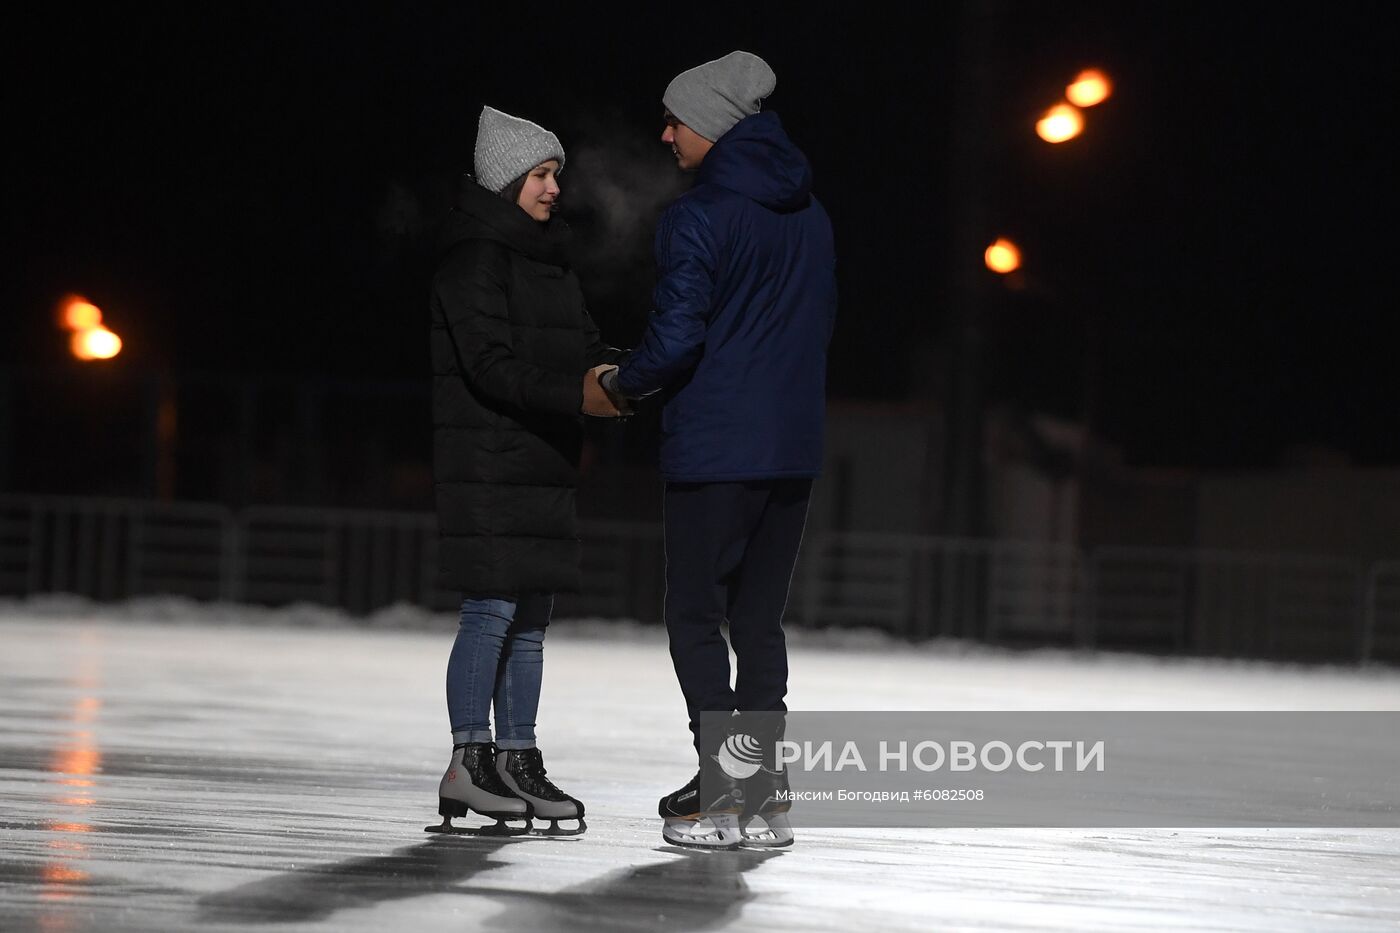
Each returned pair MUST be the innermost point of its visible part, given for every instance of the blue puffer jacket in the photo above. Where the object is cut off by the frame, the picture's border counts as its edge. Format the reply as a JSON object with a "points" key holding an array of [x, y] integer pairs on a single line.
{"points": [[743, 314]]}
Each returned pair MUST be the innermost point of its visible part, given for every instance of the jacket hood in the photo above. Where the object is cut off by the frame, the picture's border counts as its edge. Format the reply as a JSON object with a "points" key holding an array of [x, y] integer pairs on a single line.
{"points": [[481, 215], [758, 160]]}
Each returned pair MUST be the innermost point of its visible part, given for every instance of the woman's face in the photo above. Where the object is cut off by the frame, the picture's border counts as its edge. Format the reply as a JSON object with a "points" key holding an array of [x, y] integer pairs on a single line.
{"points": [[541, 192]]}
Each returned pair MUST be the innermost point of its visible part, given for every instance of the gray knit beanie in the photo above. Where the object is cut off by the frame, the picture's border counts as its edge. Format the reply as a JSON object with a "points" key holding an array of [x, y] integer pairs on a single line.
{"points": [[508, 147], [712, 97]]}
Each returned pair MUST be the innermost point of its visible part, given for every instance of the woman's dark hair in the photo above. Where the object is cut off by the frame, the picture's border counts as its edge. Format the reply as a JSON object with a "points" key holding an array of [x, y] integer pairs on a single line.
{"points": [[511, 192]]}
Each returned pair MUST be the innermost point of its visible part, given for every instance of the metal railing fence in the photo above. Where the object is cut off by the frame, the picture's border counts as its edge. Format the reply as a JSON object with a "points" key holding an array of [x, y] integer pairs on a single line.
{"points": [[1226, 603]]}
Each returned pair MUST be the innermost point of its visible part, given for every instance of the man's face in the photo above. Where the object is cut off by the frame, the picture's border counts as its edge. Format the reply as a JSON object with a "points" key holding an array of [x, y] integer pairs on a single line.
{"points": [[688, 146], [540, 195]]}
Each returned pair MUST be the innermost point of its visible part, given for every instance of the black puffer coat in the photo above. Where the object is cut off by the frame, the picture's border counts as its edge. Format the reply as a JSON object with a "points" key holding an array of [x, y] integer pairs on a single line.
{"points": [[511, 340]]}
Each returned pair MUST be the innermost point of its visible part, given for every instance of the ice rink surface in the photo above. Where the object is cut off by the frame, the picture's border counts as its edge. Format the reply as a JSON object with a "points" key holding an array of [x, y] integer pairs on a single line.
{"points": [[171, 767]]}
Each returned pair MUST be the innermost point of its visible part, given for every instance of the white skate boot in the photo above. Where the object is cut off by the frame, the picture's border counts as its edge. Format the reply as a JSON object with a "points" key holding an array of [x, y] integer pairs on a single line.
{"points": [[704, 814], [764, 822]]}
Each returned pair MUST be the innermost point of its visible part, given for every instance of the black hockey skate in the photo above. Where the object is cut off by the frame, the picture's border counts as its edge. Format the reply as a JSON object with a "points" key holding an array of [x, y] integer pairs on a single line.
{"points": [[704, 814], [523, 772], [764, 822], [471, 783]]}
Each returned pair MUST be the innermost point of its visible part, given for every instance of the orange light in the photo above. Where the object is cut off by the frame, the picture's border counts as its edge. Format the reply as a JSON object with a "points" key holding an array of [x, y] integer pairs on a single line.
{"points": [[56, 877], [79, 314], [84, 759], [65, 845], [1089, 88], [74, 765], [57, 874], [97, 343], [62, 873], [1003, 256], [1059, 123]]}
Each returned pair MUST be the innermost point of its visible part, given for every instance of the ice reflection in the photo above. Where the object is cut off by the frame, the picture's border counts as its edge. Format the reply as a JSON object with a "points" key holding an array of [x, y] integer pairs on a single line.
{"points": [[77, 762], [57, 878], [55, 922], [72, 768]]}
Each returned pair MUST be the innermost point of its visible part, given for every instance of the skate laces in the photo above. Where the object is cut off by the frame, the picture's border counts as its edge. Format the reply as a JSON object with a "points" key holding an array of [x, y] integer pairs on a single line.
{"points": [[479, 760], [478, 754], [529, 764]]}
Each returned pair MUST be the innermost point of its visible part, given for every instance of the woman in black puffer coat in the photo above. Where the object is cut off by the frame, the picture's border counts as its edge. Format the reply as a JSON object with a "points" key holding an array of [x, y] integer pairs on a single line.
{"points": [[516, 360]]}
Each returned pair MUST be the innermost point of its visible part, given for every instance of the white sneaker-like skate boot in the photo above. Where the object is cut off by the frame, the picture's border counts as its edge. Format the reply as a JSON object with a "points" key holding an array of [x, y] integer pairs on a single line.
{"points": [[704, 814], [471, 783], [764, 822], [522, 770]]}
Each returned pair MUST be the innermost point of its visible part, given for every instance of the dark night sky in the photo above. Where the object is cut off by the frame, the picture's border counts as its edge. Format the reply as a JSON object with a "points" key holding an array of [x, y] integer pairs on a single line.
{"points": [[254, 191]]}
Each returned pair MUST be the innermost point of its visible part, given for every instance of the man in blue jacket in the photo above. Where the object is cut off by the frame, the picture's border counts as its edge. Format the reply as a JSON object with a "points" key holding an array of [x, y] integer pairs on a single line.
{"points": [[744, 309]]}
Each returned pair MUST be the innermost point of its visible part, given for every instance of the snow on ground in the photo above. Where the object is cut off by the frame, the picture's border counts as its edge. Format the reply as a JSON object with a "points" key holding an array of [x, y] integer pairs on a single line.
{"points": [[168, 766]]}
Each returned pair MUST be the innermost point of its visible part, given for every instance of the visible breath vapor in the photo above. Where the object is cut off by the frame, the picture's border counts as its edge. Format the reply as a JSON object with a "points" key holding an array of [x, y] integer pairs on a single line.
{"points": [[617, 182], [618, 191]]}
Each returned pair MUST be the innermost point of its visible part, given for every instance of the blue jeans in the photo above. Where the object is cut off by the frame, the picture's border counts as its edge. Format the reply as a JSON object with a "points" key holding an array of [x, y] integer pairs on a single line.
{"points": [[498, 657]]}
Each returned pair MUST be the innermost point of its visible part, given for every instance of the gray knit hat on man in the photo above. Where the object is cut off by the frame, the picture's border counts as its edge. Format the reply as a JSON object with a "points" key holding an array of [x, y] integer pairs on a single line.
{"points": [[508, 147], [712, 97]]}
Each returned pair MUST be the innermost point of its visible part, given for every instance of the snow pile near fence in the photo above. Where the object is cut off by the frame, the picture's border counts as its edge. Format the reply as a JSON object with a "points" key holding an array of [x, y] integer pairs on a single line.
{"points": [[177, 610]]}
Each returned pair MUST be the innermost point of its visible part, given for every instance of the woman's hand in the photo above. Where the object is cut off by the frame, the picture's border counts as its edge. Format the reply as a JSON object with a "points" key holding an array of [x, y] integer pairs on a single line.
{"points": [[596, 400]]}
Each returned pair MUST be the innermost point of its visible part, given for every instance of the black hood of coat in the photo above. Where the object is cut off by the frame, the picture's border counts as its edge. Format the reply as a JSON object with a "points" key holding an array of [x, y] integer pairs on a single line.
{"points": [[481, 215]]}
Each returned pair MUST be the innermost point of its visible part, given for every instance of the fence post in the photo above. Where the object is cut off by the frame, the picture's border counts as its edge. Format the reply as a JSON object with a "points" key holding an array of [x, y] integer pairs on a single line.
{"points": [[946, 585], [135, 564], [1089, 602], [1371, 583], [922, 581], [7, 424], [36, 549], [908, 591], [86, 533], [232, 563]]}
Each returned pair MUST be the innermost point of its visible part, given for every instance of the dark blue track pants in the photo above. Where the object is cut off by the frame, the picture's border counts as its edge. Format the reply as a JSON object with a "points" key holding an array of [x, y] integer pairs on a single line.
{"points": [[730, 553]]}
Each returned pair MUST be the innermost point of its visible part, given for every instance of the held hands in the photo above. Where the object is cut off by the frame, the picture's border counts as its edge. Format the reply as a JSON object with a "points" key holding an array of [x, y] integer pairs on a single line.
{"points": [[597, 401]]}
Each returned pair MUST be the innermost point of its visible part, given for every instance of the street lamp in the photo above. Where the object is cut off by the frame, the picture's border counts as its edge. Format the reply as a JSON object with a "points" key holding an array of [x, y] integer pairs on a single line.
{"points": [[95, 343], [1003, 256], [1089, 88], [78, 314], [1060, 123], [90, 340], [1064, 121]]}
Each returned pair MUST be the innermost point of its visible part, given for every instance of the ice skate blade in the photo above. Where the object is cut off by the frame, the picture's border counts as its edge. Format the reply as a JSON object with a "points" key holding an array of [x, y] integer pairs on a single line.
{"points": [[500, 828], [766, 840], [718, 832], [776, 834], [554, 831]]}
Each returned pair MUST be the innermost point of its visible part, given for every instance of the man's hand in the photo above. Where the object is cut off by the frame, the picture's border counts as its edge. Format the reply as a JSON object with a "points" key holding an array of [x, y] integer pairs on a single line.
{"points": [[596, 400], [607, 378]]}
